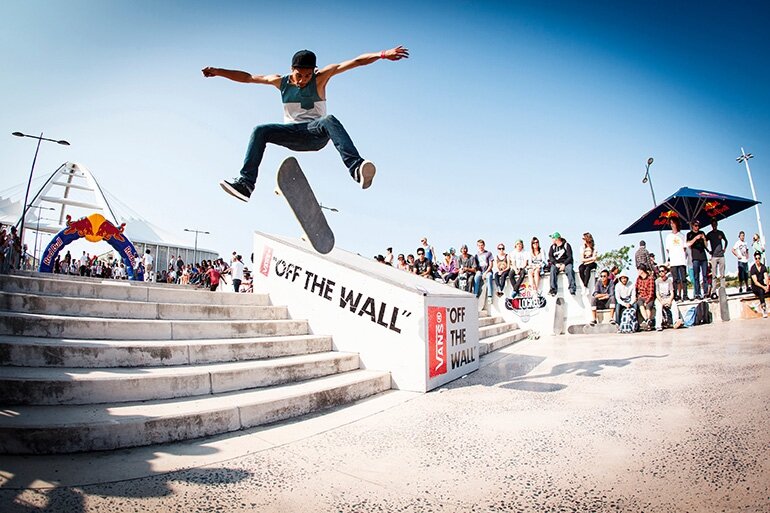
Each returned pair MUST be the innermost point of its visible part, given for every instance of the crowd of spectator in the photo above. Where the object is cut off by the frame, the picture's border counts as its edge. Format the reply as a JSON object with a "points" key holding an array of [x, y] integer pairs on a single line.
{"points": [[206, 274], [653, 297]]}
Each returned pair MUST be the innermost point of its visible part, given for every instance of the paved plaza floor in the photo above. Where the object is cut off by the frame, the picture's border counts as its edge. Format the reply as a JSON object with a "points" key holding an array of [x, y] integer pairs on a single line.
{"points": [[671, 421]]}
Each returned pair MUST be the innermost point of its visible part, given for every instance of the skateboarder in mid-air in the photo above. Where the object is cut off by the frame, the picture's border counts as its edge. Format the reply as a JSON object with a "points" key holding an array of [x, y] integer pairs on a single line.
{"points": [[306, 125]]}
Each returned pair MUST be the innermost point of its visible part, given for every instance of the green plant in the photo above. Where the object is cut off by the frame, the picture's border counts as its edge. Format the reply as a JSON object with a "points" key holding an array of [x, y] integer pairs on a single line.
{"points": [[617, 257]]}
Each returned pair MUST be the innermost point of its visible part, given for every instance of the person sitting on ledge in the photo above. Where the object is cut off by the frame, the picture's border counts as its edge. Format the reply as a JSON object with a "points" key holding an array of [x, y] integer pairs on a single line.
{"points": [[603, 296]]}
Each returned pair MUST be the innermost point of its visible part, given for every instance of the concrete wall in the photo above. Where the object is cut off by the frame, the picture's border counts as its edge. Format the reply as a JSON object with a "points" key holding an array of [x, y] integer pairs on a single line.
{"points": [[425, 333]]}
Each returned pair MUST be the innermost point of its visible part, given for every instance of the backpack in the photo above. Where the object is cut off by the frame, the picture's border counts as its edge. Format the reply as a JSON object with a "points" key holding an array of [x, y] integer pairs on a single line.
{"points": [[689, 316], [702, 314], [628, 321]]}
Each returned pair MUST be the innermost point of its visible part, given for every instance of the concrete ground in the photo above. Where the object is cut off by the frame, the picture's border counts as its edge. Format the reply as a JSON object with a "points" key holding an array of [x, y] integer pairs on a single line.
{"points": [[671, 421]]}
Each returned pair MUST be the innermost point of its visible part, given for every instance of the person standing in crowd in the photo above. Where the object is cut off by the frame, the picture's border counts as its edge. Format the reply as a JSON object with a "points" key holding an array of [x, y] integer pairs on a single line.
{"points": [[741, 252], [236, 271], [537, 263], [642, 256], [760, 285], [485, 261], [696, 241], [560, 259], [676, 249], [149, 271], [587, 259], [430, 253], [213, 276], [756, 246], [389, 256], [717, 244]]}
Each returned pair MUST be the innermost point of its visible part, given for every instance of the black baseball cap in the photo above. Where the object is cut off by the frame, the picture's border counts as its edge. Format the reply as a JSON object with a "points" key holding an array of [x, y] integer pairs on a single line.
{"points": [[303, 59]]}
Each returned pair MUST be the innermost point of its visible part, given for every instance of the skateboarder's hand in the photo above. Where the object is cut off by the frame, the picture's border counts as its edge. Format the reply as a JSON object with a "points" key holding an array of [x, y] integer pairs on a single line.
{"points": [[396, 54], [209, 72]]}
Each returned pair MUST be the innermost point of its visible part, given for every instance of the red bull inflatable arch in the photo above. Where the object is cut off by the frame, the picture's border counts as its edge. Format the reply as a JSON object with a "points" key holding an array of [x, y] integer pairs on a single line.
{"points": [[93, 228]]}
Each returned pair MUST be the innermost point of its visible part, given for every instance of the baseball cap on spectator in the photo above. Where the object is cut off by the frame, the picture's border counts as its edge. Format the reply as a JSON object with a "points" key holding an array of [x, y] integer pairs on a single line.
{"points": [[448, 252], [642, 243], [556, 235]]}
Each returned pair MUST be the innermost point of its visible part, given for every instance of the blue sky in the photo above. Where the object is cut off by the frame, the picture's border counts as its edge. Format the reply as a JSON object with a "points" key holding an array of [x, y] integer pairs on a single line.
{"points": [[510, 119]]}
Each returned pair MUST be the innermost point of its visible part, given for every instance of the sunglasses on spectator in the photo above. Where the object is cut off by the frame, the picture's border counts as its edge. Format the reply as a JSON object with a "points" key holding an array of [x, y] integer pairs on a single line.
{"points": [[501, 247]]}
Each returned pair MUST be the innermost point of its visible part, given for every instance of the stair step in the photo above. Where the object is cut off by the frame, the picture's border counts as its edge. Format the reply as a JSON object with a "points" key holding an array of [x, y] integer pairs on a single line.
{"points": [[124, 290], [488, 321], [56, 326], [496, 329], [59, 352], [500, 341], [64, 386], [120, 309], [63, 429]]}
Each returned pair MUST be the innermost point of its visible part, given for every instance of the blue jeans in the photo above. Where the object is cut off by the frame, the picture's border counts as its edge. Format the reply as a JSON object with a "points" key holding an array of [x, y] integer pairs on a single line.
{"points": [[700, 267], [310, 136], [570, 278], [477, 284]]}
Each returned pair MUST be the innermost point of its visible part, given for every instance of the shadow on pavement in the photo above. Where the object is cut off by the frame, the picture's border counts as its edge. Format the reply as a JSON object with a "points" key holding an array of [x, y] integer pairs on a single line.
{"points": [[33, 482], [513, 372]]}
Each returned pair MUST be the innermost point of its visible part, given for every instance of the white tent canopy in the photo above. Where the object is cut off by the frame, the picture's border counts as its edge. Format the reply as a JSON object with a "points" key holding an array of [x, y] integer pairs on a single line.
{"points": [[73, 190]]}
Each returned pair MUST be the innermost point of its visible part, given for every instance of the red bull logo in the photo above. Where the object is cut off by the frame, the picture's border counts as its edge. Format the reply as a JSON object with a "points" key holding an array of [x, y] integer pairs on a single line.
{"points": [[95, 228], [665, 218], [82, 227], [715, 208], [526, 301], [107, 231]]}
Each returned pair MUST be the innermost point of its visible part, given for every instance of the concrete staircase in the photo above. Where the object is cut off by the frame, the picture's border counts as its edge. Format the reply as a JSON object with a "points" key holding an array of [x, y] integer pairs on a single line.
{"points": [[495, 333], [89, 365]]}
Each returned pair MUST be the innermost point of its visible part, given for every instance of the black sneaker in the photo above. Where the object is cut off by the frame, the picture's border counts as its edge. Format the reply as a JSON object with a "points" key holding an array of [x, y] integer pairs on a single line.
{"points": [[364, 174], [238, 188]]}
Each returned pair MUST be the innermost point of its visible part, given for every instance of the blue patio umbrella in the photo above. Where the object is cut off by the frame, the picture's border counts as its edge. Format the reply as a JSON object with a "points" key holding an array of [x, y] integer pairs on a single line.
{"points": [[688, 205]]}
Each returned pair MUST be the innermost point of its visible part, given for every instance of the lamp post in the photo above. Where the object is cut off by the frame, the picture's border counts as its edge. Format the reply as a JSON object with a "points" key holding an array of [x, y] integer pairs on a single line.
{"points": [[331, 209], [37, 227], [744, 158], [647, 178], [40, 139], [196, 232]]}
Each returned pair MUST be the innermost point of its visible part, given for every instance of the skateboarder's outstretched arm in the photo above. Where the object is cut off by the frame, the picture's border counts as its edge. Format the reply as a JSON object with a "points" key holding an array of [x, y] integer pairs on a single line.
{"points": [[394, 54], [242, 76]]}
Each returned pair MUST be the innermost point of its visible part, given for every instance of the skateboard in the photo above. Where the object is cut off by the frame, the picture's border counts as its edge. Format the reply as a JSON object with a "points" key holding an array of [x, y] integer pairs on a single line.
{"points": [[724, 310], [587, 329], [559, 317], [294, 187]]}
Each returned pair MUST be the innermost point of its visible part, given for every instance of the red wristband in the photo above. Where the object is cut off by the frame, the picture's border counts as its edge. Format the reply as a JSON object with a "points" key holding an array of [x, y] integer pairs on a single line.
{"points": [[382, 54]]}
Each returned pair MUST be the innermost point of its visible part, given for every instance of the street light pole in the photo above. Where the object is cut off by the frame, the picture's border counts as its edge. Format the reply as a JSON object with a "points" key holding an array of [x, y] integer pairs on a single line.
{"points": [[40, 139], [648, 178], [195, 251], [37, 228], [745, 159]]}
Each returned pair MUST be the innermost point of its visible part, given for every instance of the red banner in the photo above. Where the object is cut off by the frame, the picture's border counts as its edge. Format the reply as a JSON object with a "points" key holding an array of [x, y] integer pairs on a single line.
{"points": [[437, 346], [267, 256]]}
